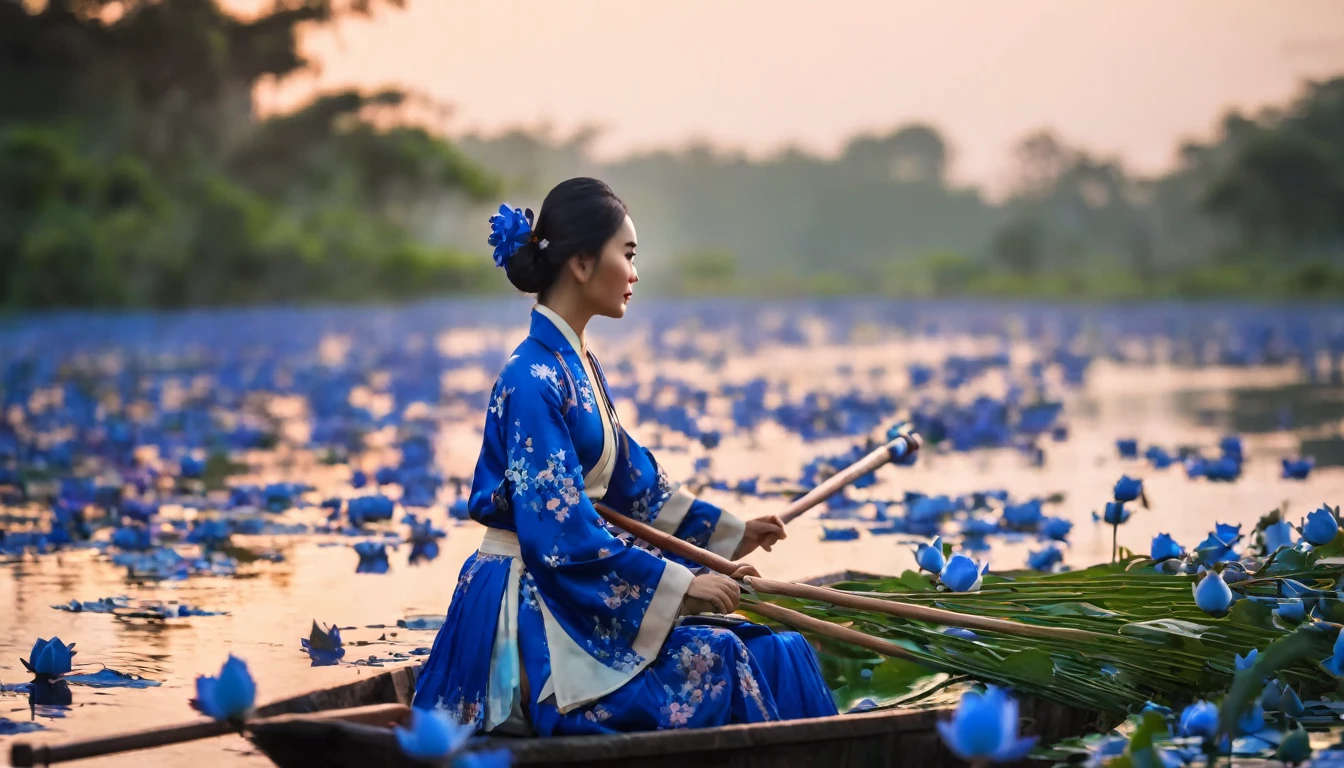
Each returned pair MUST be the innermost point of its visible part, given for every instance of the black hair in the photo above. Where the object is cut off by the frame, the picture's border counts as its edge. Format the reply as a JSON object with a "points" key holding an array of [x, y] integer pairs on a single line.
{"points": [[577, 218]]}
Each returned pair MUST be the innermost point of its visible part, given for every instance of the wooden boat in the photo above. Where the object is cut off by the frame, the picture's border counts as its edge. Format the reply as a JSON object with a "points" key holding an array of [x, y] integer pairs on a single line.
{"points": [[880, 738]]}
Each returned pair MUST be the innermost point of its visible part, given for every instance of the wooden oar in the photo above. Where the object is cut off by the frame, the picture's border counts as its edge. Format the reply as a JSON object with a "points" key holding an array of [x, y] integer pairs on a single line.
{"points": [[897, 449], [47, 754], [753, 579]]}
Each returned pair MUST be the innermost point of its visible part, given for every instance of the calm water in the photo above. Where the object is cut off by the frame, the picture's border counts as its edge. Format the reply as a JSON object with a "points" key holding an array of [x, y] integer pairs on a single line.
{"points": [[271, 605]]}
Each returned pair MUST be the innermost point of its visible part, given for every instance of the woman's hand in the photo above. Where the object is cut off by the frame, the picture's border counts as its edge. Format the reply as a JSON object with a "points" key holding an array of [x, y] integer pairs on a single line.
{"points": [[761, 532], [711, 592]]}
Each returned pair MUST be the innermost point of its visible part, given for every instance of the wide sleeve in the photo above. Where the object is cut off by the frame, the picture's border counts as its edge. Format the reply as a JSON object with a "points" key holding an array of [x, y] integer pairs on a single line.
{"points": [[607, 606], [640, 489]]}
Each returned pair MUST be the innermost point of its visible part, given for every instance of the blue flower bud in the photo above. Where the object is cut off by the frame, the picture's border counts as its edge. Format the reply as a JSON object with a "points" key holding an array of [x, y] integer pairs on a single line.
{"points": [[1290, 704], [1292, 610], [1247, 661], [49, 658], [1297, 469], [1116, 514], [228, 696], [1295, 748], [1213, 596], [1200, 719], [984, 728], [961, 574], [1046, 559], [1164, 547], [432, 735], [1277, 536], [1320, 527], [1128, 488], [930, 556], [1056, 528]]}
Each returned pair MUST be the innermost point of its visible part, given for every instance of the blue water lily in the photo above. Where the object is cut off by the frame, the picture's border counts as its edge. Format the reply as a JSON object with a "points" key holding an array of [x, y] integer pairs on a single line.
{"points": [[985, 727], [1116, 513], [1046, 559], [962, 574], [1213, 596], [1291, 610], [1056, 528], [49, 658], [1164, 548], [1321, 527], [433, 735], [510, 229], [323, 645], [1298, 469], [1335, 664], [929, 556], [1278, 535], [228, 696], [1128, 488], [1247, 661]]}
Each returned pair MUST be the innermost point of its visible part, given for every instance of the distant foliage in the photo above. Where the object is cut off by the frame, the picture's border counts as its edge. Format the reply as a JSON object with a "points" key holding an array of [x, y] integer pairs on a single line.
{"points": [[151, 182]]}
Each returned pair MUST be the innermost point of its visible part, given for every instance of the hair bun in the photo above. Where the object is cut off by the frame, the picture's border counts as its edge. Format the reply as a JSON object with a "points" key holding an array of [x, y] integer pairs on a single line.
{"points": [[527, 269]]}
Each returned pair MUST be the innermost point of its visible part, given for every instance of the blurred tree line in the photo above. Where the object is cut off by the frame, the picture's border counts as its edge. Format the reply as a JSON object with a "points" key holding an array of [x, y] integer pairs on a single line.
{"points": [[1256, 212], [134, 171]]}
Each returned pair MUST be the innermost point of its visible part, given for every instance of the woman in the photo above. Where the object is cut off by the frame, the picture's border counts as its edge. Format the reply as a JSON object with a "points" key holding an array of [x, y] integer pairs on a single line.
{"points": [[584, 632]]}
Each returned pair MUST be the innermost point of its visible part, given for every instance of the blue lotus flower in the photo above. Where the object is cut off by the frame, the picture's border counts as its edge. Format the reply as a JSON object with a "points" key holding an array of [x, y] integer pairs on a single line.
{"points": [[49, 658], [1335, 664], [1128, 448], [372, 557], [433, 735], [1200, 719], [1164, 547], [1252, 720], [510, 229], [1295, 748], [1152, 706], [1056, 528], [229, 696], [1023, 517], [1046, 559], [323, 645], [1290, 703], [1116, 514], [1292, 610], [962, 574], [1297, 469], [929, 556], [1321, 527], [962, 632], [1247, 661], [1128, 488], [1277, 536], [1213, 596], [984, 727]]}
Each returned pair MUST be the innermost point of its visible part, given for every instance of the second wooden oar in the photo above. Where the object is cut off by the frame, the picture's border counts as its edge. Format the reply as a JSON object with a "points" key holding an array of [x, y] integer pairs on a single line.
{"points": [[925, 613], [47, 754], [898, 449]]}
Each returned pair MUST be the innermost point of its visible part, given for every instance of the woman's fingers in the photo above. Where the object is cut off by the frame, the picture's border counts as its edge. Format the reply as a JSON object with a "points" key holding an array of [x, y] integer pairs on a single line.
{"points": [[744, 570]]}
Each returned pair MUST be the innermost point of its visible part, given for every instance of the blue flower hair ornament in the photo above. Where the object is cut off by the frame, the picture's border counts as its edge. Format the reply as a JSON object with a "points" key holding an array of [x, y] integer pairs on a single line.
{"points": [[511, 229]]}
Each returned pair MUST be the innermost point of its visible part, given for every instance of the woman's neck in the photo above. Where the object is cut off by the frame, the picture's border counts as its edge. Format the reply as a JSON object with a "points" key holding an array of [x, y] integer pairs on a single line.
{"points": [[576, 318]]}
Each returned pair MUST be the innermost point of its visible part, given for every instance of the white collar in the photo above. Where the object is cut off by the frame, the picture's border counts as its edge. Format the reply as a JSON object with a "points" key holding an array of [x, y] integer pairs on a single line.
{"points": [[563, 327]]}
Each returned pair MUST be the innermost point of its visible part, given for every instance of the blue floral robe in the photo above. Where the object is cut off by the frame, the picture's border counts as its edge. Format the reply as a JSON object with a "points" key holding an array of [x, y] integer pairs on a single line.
{"points": [[592, 619]]}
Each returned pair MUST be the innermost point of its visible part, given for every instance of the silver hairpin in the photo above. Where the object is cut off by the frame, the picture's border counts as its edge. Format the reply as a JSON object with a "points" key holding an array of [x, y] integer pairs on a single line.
{"points": [[542, 245]]}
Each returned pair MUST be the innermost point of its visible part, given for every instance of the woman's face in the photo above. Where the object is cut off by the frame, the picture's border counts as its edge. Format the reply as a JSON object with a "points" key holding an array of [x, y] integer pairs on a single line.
{"points": [[611, 277]]}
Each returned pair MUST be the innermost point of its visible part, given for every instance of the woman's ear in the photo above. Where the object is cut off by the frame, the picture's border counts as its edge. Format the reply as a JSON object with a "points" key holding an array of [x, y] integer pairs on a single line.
{"points": [[581, 267]]}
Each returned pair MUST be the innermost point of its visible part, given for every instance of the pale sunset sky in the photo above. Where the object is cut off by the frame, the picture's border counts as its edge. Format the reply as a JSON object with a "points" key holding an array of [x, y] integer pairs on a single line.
{"points": [[1126, 78]]}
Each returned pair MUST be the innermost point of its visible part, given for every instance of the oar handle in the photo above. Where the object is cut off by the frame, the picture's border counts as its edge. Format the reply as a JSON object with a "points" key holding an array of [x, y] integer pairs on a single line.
{"points": [[47, 754], [897, 449], [668, 542]]}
